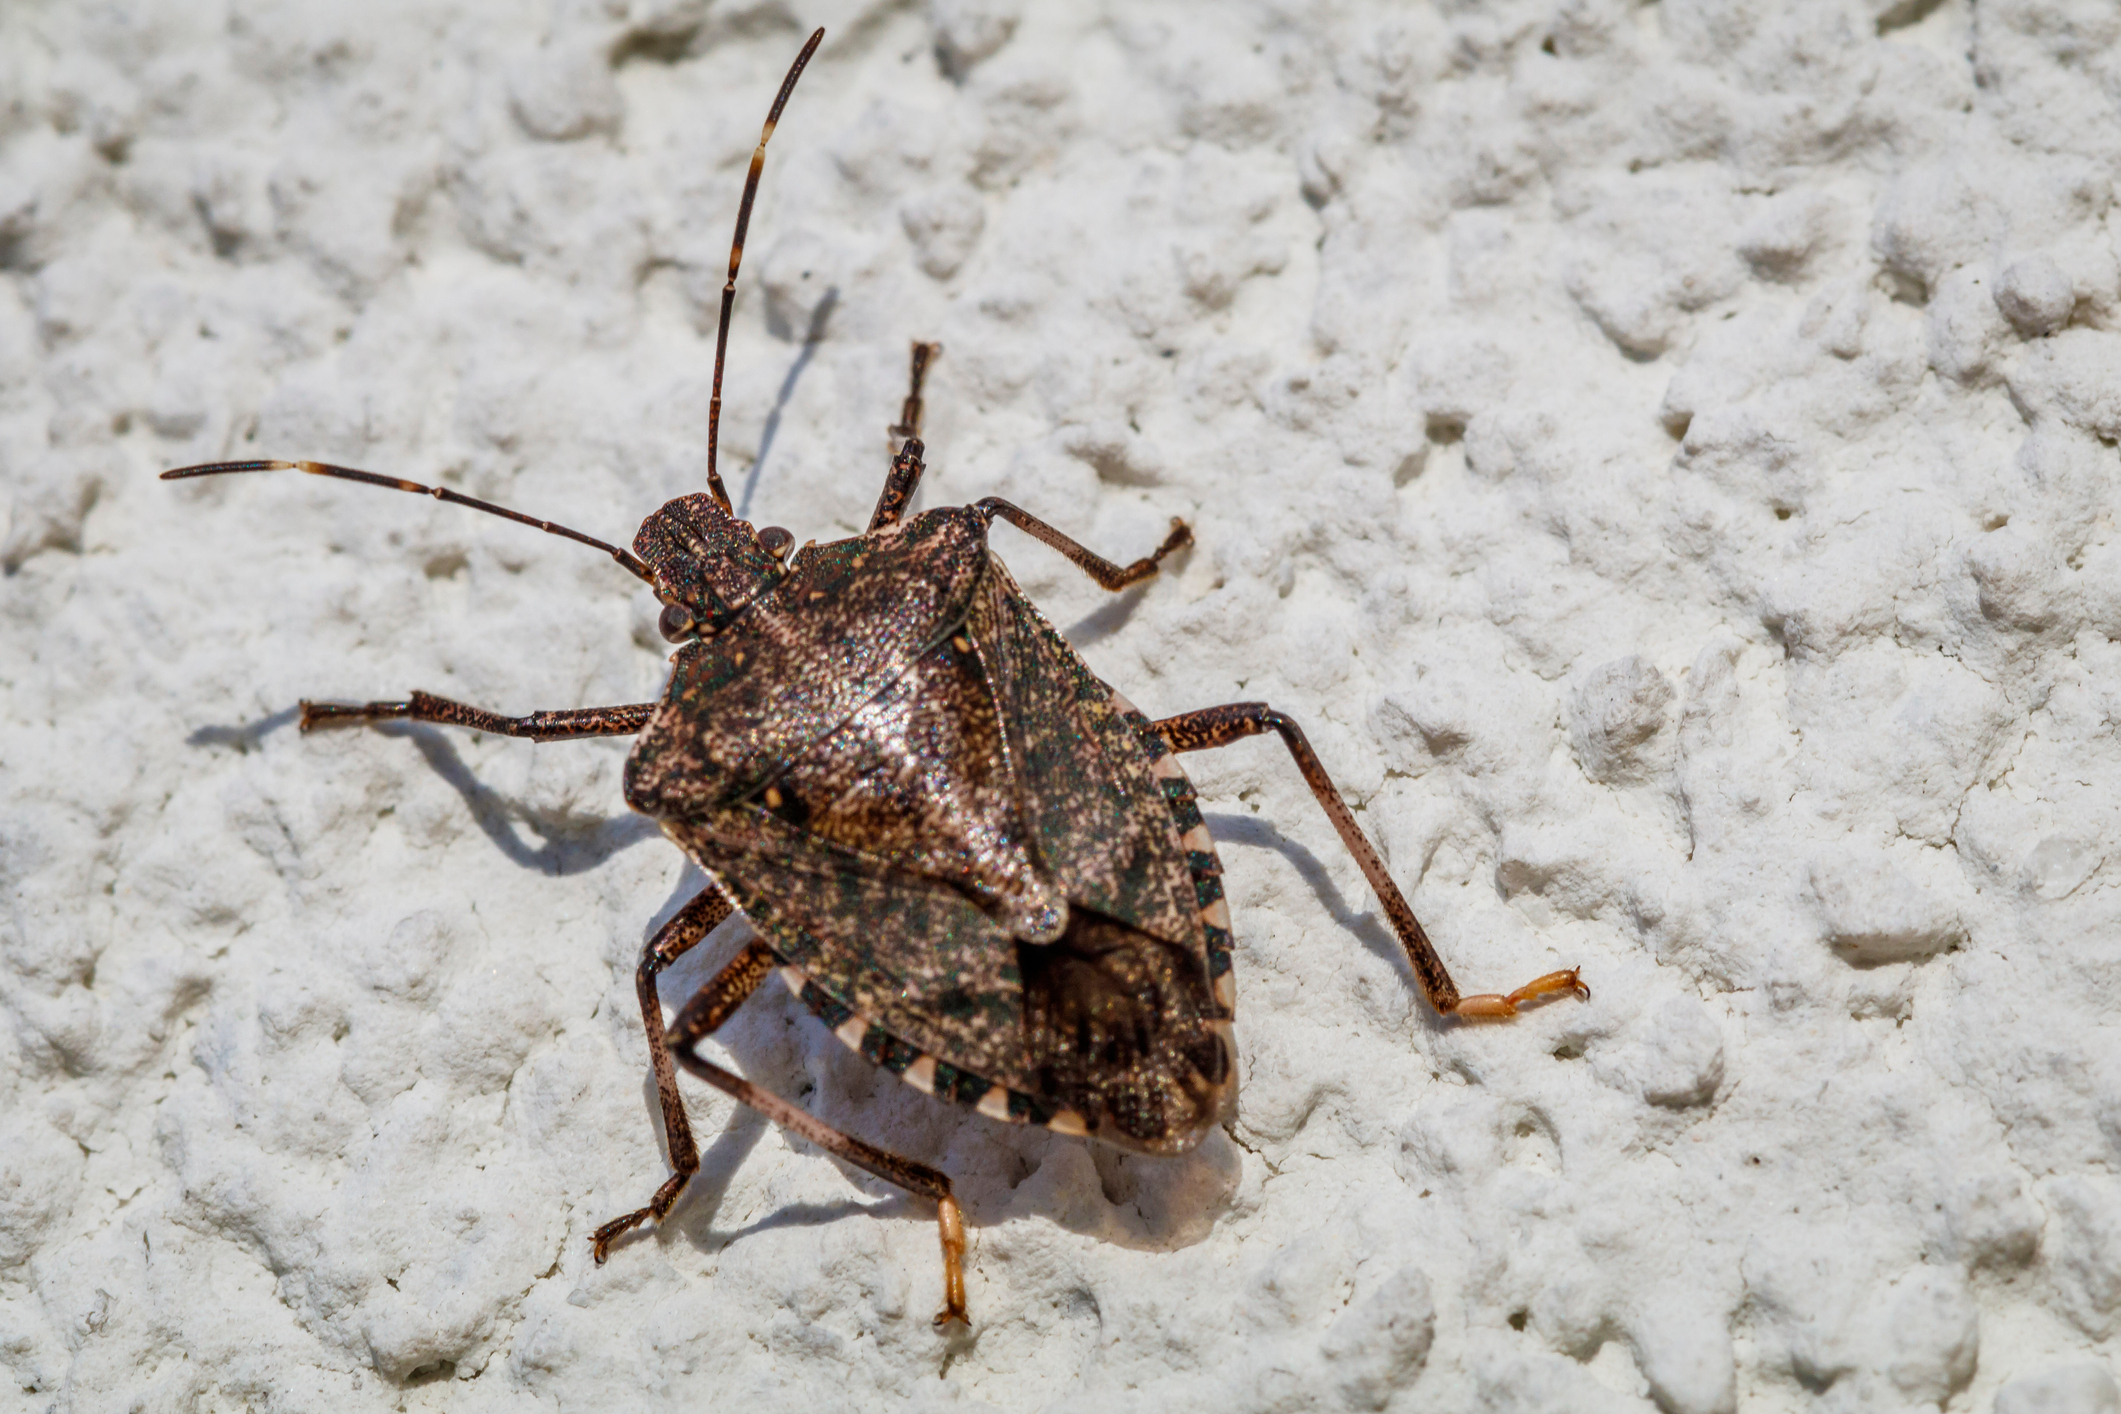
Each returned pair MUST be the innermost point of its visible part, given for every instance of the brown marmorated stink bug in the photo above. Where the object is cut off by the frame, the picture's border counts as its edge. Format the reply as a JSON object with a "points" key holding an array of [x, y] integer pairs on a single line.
{"points": [[979, 865]]}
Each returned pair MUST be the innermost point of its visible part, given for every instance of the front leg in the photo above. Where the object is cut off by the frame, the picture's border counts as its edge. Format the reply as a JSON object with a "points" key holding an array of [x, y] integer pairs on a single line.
{"points": [[906, 470], [1108, 575], [538, 726], [906, 466], [1219, 726]]}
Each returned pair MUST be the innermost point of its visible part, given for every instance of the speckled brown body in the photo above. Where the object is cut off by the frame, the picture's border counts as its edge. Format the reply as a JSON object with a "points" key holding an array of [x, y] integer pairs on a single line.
{"points": [[963, 847]]}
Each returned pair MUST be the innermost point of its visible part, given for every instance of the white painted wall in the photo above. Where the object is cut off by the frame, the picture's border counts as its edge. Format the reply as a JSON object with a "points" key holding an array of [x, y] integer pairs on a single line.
{"points": [[1664, 454]]}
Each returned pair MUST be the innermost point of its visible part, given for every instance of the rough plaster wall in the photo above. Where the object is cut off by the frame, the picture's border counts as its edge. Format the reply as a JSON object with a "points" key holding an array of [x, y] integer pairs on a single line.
{"points": [[1663, 453]]}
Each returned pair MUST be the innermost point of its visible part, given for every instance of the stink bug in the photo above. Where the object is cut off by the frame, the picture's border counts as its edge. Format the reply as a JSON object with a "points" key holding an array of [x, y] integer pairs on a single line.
{"points": [[978, 864]]}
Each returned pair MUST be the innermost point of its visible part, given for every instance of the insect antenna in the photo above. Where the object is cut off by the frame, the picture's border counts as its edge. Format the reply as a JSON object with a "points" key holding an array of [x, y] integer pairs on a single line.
{"points": [[909, 414], [736, 256], [626, 558]]}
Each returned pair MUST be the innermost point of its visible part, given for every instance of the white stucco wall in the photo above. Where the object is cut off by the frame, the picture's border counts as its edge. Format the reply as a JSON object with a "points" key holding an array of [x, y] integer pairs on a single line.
{"points": [[1664, 454]]}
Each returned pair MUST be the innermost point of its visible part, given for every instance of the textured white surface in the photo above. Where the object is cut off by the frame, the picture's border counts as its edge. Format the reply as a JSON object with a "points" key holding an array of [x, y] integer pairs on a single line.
{"points": [[1663, 453]]}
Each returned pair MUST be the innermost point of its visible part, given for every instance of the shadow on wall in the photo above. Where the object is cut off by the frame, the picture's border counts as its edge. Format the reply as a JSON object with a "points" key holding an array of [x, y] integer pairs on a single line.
{"points": [[812, 337], [570, 845], [1360, 923]]}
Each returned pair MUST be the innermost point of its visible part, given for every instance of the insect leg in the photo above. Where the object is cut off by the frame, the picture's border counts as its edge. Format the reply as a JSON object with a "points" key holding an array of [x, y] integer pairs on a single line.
{"points": [[705, 1012], [909, 415], [538, 726], [1219, 726], [1107, 574], [906, 466], [906, 471], [699, 917]]}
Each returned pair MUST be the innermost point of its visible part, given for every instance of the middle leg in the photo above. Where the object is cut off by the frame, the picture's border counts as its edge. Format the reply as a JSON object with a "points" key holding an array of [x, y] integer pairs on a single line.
{"points": [[538, 726], [1219, 726]]}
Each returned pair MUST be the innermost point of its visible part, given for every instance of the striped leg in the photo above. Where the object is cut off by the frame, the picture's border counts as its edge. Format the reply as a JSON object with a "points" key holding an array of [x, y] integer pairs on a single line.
{"points": [[709, 1010], [701, 916], [538, 726], [1219, 726], [906, 467], [906, 470], [909, 413], [1108, 575]]}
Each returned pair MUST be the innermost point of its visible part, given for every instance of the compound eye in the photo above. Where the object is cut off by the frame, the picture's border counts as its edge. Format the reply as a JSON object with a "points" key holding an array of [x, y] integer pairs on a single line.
{"points": [[676, 624], [776, 541]]}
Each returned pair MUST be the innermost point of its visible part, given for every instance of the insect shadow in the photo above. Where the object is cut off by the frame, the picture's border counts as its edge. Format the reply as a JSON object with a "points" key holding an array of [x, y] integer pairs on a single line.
{"points": [[693, 1217], [243, 736], [812, 337], [571, 846], [1108, 619], [1260, 834]]}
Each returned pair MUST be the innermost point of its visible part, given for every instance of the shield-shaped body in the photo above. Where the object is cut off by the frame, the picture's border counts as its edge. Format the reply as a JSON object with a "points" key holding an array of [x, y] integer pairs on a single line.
{"points": [[975, 861]]}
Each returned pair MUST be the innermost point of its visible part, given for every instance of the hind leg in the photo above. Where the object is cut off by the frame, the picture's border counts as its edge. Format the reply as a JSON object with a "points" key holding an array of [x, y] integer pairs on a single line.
{"points": [[1219, 726], [709, 1010]]}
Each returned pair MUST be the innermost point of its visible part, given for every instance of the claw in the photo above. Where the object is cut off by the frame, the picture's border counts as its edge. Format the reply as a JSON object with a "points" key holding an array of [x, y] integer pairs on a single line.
{"points": [[951, 1224], [600, 1241], [1492, 1004]]}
